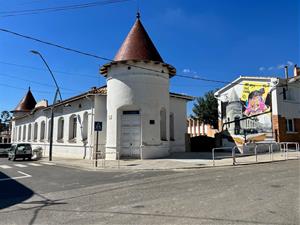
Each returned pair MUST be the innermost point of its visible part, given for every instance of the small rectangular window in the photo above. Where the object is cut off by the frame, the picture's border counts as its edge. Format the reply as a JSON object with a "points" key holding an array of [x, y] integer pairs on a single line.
{"points": [[284, 93], [290, 125], [131, 112]]}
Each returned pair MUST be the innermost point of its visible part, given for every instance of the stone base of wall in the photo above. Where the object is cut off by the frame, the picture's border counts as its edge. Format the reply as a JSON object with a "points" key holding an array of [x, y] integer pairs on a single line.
{"points": [[280, 132]]}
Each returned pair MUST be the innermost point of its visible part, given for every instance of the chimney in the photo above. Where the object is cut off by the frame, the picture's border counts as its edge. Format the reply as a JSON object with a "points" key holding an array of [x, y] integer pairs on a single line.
{"points": [[296, 71], [286, 72]]}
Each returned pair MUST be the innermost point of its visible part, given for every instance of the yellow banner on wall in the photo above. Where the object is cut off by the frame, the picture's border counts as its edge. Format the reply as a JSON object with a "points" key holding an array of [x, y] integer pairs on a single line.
{"points": [[251, 86]]}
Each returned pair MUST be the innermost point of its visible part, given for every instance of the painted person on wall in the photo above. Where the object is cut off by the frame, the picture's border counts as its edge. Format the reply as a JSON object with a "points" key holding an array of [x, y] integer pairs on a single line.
{"points": [[256, 103]]}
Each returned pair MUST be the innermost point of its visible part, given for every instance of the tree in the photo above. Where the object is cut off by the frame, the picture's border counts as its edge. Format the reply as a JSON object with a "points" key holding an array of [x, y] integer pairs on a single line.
{"points": [[5, 118], [206, 109]]}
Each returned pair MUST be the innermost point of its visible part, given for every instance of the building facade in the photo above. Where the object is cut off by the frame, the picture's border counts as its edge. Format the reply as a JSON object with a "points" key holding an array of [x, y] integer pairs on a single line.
{"points": [[137, 115], [196, 128], [260, 109]]}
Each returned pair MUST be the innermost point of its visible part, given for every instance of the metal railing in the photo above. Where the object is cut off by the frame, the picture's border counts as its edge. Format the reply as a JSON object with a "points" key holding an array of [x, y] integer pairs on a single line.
{"points": [[220, 148], [284, 147], [102, 155]]}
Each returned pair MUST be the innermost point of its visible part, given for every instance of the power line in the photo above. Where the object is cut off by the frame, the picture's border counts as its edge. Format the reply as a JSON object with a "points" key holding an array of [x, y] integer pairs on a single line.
{"points": [[34, 82], [20, 88], [111, 60], [56, 71], [58, 8]]}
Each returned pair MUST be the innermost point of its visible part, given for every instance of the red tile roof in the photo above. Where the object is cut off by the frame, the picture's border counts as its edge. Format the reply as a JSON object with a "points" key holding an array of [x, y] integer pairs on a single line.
{"points": [[26, 104], [138, 45]]}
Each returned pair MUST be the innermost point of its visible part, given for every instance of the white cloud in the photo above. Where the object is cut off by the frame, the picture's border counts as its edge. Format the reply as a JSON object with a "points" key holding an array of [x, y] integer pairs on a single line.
{"points": [[280, 66], [186, 70]]}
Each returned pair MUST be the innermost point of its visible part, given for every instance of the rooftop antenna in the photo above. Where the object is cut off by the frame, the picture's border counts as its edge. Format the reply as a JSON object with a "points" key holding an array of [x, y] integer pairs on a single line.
{"points": [[138, 15]]}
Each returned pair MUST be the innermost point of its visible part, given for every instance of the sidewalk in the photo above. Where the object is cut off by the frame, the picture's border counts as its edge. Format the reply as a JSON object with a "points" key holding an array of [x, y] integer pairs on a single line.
{"points": [[177, 161]]}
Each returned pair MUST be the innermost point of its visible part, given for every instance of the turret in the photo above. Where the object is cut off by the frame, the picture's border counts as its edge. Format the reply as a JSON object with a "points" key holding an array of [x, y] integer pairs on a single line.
{"points": [[138, 98]]}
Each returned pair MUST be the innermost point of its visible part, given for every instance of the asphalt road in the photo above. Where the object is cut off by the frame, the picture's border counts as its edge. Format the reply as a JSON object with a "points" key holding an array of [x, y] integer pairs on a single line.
{"points": [[35, 193]]}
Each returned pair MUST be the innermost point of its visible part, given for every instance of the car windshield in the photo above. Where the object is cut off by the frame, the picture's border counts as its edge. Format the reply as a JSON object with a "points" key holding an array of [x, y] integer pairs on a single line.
{"points": [[23, 147]]}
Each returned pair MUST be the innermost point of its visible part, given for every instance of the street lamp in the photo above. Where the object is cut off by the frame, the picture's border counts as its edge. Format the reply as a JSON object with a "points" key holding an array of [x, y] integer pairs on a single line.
{"points": [[57, 92]]}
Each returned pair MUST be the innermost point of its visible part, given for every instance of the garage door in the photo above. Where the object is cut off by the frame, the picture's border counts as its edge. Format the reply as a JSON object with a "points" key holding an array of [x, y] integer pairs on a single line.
{"points": [[130, 134]]}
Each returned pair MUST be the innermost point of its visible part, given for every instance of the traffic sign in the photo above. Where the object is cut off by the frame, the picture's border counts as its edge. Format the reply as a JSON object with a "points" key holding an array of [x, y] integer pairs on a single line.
{"points": [[98, 126]]}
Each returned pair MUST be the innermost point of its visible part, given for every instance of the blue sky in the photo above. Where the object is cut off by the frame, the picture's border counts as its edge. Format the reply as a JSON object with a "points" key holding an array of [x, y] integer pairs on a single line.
{"points": [[213, 39]]}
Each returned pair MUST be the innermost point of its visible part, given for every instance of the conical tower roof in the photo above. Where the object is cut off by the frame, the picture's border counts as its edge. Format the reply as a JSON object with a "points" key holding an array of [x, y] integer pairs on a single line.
{"points": [[138, 45], [233, 96], [26, 104]]}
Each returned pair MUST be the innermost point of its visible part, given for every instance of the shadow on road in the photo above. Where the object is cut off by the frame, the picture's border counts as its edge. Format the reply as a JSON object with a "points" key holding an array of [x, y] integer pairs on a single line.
{"points": [[12, 192]]}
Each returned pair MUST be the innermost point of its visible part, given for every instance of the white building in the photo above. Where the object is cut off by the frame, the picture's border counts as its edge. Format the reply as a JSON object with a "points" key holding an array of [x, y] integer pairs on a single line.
{"points": [[258, 109], [140, 118]]}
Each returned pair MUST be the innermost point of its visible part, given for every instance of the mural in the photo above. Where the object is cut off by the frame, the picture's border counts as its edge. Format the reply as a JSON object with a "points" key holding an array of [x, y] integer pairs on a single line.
{"points": [[249, 110]]}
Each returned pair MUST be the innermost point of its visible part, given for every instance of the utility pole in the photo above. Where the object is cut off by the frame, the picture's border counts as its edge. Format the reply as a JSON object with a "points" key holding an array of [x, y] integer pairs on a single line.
{"points": [[57, 92]]}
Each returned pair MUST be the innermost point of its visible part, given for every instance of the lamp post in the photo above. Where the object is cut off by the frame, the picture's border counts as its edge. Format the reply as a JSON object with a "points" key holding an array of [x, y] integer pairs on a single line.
{"points": [[57, 92]]}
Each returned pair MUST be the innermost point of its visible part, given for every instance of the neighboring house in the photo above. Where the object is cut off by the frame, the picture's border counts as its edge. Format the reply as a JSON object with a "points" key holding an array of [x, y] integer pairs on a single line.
{"points": [[138, 116], [258, 109], [5, 137], [196, 128]]}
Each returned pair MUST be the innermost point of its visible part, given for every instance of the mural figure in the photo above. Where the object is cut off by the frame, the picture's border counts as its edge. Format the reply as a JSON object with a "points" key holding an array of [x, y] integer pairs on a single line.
{"points": [[256, 103]]}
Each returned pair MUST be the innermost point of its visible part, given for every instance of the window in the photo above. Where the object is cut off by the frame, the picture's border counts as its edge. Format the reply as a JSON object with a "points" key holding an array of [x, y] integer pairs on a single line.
{"points": [[284, 93], [163, 124], [49, 129], [172, 126], [29, 132], [237, 125], [19, 133], [60, 129], [85, 126], [15, 134], [35, 131], [42, 131], [290, 125], [73, 127], [24, 133]]}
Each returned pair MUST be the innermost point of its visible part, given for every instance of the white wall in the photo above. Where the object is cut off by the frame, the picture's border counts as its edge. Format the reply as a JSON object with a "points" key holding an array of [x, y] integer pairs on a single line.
{"points": [[178, 107], [138, 89], [100, 113], [76, 148], [290, 107]]}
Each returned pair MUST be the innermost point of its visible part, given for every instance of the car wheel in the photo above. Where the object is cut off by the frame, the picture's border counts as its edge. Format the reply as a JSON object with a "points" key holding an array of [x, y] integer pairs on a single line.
{"points": [[13, 158]]}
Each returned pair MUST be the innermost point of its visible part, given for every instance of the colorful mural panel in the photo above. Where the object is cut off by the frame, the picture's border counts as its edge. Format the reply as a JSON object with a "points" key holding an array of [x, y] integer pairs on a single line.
{"points": [[249, 112]]}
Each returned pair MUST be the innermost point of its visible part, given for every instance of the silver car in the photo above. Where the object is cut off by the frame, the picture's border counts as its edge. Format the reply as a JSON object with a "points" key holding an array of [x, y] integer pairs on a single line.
{"points": [[20, 150]]}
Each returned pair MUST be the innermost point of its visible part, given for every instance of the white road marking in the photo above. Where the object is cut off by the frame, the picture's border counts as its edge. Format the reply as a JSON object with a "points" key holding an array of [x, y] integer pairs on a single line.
{"points": [[5, 167], [48, 163], [25, 175], [34, 164], [20, 165]]}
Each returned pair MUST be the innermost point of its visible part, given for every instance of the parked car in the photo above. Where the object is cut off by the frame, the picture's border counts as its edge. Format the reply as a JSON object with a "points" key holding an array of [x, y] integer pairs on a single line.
{"points": [[4, 149], [20, 150]]}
